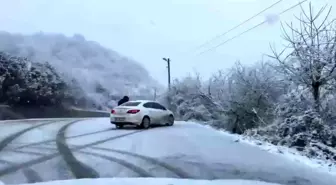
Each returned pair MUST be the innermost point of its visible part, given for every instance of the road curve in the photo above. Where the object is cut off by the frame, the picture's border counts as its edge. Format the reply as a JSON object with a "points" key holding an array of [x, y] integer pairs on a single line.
{"points": [[94, 148]]}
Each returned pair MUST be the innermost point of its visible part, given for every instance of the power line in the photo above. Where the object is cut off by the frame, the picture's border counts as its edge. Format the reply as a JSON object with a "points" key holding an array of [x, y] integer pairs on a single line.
{"points": [[247, 20], [226, 41]]}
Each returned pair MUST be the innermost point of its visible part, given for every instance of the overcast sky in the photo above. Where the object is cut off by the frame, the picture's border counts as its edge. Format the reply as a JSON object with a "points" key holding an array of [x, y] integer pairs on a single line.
{"points": [[147, 30]]}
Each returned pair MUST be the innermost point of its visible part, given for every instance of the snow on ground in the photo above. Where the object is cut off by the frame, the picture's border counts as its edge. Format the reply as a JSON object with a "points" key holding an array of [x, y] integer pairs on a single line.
{"points": [[91, 110], [7, 131], [90, 125], [205, 153], [186, 150], [151, 181], [282, 151], [33, 120], [10, 127], [39, 134], [101, 129], [17, 157]]}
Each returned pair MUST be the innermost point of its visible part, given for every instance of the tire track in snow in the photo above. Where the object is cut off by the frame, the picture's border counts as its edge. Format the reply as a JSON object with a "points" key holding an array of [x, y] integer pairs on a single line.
{"points": [[67, 137], [175, 170], [31, 175], [16, 167], [130, 166], [12, 137], [134, 168], [28, 152], [233, 172], [79, 169]]}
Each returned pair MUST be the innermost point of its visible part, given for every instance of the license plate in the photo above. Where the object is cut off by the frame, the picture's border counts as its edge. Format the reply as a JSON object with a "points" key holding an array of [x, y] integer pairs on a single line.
{"points": [[119, 119]]}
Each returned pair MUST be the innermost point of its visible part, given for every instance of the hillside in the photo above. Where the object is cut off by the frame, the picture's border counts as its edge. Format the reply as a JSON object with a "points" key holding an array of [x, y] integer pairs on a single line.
{"points": [[103, 74]]}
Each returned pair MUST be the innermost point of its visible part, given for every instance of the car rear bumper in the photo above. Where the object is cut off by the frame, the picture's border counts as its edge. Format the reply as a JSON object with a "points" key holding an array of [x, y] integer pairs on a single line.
{"points": [[124, 123], [129, 120]]}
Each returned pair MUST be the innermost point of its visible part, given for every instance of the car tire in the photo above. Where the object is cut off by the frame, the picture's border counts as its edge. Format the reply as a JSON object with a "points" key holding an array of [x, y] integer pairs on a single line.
{"points": [[145, 124], [119, 126], [171, 120]]}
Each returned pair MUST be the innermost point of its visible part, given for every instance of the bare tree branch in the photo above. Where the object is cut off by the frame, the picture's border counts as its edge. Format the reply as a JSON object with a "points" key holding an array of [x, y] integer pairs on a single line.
{"points": [[312, 61]]}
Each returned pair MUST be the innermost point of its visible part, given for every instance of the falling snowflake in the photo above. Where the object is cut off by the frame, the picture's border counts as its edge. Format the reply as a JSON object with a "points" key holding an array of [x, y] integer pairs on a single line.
{"points": [[271, 18]]}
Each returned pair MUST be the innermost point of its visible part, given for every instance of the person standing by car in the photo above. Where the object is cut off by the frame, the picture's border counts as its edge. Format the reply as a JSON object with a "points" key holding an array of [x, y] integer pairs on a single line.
{"points": [[123, 100]]}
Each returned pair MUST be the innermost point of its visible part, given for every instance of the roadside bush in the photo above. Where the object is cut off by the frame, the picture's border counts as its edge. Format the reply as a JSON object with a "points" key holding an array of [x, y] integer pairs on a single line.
{"points": [[25, 83]]}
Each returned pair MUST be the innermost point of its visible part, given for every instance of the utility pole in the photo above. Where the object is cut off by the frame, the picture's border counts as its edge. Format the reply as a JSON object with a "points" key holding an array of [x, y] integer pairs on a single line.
{"points": [[209, 86], [154, 94], [168, 66]]}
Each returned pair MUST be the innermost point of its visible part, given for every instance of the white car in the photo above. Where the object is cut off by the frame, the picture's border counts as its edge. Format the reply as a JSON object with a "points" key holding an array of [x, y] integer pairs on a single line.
{"points": [[141, 113]]}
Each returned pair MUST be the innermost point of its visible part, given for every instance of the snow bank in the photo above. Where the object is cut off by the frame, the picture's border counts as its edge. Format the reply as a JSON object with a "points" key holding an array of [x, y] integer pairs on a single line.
{"points": [[282, 151], [91, 110], [152, 181]]}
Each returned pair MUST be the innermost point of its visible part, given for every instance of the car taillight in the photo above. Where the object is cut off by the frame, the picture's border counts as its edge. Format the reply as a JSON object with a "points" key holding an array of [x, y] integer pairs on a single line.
{"points": [[133, 111], [112, 111]]}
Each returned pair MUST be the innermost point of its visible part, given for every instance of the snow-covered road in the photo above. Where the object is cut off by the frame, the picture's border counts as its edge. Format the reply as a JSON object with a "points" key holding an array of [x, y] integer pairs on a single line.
{"points": [[59, 149]]}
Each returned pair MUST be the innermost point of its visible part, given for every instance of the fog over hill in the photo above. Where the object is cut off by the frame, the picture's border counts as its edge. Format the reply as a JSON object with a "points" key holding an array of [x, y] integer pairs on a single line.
{"points": [[102, 73]]}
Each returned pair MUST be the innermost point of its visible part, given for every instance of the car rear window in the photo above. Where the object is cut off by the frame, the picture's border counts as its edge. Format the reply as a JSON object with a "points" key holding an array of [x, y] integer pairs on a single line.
{"points": [[130, 104]]}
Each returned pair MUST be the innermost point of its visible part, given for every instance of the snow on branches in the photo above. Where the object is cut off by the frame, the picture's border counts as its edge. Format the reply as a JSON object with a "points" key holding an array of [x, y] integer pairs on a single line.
{"points": [[312, 59], [290, 101], [23, 82]]}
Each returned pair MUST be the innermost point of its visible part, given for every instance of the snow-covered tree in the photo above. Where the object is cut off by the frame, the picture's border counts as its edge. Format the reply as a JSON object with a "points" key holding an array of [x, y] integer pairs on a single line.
{"points": [[188, 100], [238, 99], [26, 83], [252, 95], [311, 63]]}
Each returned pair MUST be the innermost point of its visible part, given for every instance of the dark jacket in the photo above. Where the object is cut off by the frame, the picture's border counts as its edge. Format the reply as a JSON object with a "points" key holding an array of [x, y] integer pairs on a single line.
{"points": [[123, 100]]}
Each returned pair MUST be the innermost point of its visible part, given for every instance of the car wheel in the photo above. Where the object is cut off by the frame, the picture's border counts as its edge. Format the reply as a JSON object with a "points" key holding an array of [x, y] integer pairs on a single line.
{"points": [[145, 124], [170, 120], [119, 126]]}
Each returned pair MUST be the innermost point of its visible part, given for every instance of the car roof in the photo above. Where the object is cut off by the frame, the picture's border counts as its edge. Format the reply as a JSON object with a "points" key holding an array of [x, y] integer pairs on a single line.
{"points": [[143, 101]]}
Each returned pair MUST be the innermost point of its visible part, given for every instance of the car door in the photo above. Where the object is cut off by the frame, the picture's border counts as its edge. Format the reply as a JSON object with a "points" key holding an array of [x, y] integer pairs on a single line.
{"points": [[165, 114], [160, 113], [153, 112]]}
